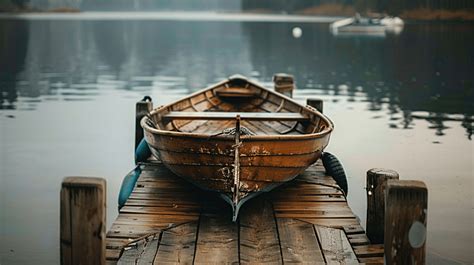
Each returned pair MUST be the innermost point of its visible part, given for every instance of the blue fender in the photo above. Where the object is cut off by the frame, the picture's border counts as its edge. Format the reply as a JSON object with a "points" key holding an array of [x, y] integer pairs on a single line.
{"points": [[128, 184], [143, 152]]}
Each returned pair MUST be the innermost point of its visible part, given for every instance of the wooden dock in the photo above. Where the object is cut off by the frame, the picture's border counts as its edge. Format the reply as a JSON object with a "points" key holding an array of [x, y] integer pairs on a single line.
{"points": [[168, 220]]}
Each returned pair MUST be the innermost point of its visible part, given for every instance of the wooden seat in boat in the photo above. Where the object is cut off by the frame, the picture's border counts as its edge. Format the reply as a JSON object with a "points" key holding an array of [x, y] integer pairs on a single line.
{"points": [[214, 115]]}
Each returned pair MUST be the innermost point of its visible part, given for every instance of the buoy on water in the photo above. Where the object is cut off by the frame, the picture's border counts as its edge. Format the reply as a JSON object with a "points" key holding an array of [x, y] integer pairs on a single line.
{"points": [[297, 32]]}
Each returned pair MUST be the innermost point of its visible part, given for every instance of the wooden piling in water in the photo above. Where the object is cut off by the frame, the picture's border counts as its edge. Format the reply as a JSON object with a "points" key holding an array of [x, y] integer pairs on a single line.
{"points": [[142, 108], [375, 186], [284, 84], [82, 221], [406, 203], [315, 103]]}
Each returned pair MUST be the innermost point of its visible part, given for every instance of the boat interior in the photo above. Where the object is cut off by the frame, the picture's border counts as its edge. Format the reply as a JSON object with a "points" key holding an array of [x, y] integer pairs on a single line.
{"points": [[214, 111]]}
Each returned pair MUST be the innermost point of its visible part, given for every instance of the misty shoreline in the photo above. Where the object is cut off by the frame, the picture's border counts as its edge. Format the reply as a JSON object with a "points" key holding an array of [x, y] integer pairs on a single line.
{"points": [[304, 17], [171, 16]]}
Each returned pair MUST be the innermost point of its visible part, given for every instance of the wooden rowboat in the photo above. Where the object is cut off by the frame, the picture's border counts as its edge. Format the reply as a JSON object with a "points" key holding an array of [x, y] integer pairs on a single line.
{"points": [[237, 138]]}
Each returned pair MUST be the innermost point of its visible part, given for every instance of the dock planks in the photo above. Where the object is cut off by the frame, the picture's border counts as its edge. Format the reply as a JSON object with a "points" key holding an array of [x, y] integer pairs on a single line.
{"points": [[166, 220]]}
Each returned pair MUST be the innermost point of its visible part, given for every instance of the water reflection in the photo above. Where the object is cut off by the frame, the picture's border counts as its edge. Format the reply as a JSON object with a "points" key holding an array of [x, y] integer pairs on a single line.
{"points": [[112, 41], [409, 97], [425, 69], [13, 49], [421, 74]]}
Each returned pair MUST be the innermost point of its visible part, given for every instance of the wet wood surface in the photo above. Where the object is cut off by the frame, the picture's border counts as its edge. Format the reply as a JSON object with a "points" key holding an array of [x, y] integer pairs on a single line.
{"points": [[405, 228], [375, 186], [166, 220]]}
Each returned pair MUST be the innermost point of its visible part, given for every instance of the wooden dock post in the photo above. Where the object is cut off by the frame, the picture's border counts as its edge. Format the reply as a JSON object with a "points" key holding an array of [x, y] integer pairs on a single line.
{"points": [[406, 203], [82, 220], [315, 103], [284, 84], [143, 107], [375, 186]]}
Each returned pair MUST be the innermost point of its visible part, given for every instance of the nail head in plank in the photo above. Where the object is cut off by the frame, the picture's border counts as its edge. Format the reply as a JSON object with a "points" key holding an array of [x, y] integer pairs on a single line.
{"points": [[131, 255]]}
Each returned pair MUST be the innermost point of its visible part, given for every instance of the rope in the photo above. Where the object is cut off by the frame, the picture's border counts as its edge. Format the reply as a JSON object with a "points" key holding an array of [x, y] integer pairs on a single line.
{"points": [[231, 131], [146, 98], [150, 122]]}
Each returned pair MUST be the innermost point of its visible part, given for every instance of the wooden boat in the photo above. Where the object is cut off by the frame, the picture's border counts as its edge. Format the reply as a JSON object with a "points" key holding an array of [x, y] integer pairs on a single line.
{"points": [[358, 25], [237, 138]]}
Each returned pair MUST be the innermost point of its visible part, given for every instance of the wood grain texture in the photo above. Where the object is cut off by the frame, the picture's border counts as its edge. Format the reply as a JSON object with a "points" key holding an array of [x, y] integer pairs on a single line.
{"points": [[375, 186], [367, 251], [353, 229], [148, 255], [406, 211], [142, 108], [315, 103], [197, 224], [259, 241], [335, 246], [358, 239], [372, 260], [177, 245], [65, 228], [217, 241], [298, 241], [282, 130], [82, 221], [131, 255], [208, 115]]}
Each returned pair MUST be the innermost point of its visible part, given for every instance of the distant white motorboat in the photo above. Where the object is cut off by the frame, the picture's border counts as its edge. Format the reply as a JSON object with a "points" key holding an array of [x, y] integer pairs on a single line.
{"points": [[358, 25]]}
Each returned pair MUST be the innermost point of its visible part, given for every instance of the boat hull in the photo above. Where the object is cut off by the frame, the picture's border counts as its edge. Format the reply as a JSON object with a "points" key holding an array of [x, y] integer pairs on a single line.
{"points": [[209, 163], [367, 26], [270, 141]]}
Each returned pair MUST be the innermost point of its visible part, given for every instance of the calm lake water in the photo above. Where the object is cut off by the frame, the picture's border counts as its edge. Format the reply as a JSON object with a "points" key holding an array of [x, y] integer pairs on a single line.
{"points": [[68, 93]]}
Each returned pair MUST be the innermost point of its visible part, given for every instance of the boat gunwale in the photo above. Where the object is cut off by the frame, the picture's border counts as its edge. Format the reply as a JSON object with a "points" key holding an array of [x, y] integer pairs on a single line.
{"points": [[276, 137]]}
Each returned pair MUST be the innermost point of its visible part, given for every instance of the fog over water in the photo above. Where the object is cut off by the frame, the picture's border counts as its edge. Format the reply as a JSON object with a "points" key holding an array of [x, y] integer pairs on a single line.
{"points": [[140, 5], [69, 87]]}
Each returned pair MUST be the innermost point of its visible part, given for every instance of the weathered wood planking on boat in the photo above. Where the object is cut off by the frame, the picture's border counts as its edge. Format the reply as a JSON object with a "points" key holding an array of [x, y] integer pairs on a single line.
{"points": [[168, 220], [197, 139]]}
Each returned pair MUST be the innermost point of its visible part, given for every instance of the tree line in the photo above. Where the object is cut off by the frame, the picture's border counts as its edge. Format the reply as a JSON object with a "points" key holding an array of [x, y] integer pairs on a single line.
{"points": [[12, 4], [393, 7]]}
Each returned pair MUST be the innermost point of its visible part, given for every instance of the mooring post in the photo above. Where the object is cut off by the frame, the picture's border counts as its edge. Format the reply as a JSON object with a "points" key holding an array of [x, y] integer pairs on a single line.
{"points": [[82, 221], [375, 187], [315, 103], [284, 84], [143, 107], [406, 203]]}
